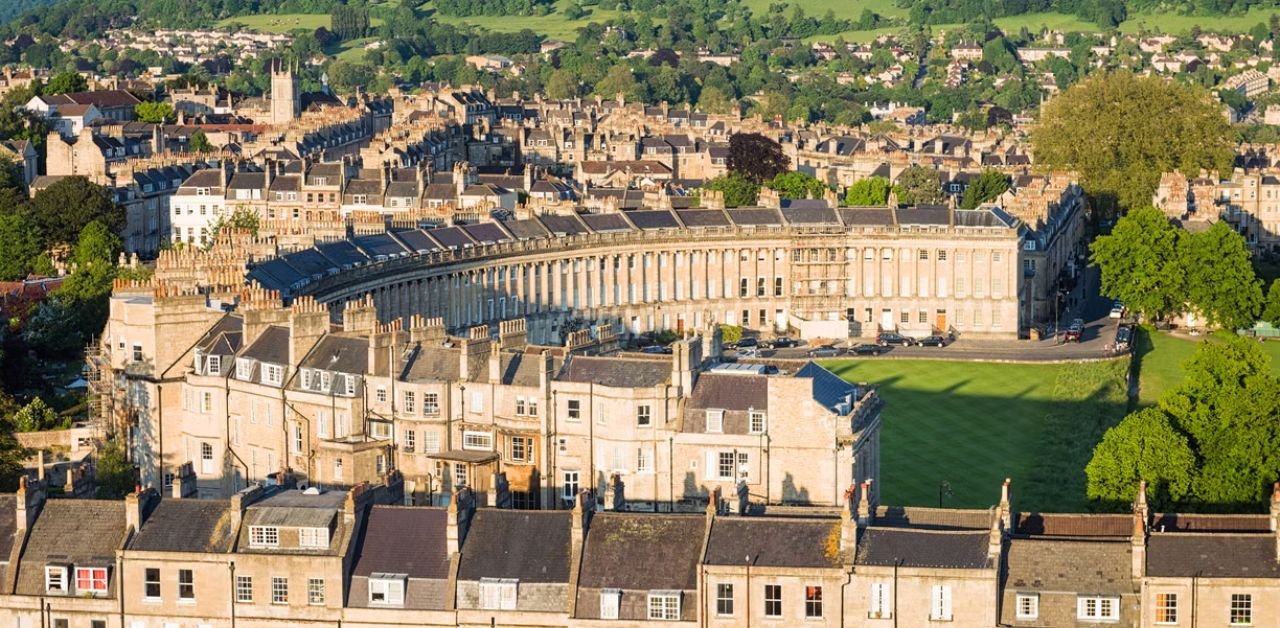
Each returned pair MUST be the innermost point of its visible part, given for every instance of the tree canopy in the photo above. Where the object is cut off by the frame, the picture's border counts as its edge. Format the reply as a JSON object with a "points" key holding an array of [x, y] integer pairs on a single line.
{"points": [[1121, 132], [919, 185], [794, 185], [65, 82], [756, 157], [61, 210], [738, 190], [154, 112], [985, 187], [1140, 263], [871, 191], [1157, 269], [1212, 443]]}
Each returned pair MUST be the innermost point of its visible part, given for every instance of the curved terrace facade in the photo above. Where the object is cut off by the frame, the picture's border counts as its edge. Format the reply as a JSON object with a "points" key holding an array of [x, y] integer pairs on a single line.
{"points": [[805, 265]]}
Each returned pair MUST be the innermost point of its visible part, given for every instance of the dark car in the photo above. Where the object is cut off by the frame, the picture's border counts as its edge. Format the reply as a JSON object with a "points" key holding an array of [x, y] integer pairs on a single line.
{"points": [[933, 341], [747, 343], [1124, 337], [784, 343], [825, 351], [1074, 332], [889, 338], [657, 350], [869, 349]]}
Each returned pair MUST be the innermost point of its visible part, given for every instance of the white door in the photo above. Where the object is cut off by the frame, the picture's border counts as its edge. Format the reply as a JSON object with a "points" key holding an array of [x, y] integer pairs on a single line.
{"points": [[886, 319]]}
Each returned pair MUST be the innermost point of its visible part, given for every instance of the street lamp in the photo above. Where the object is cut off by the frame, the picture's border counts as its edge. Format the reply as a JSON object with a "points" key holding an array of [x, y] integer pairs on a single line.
{"points": [[944, 490]]}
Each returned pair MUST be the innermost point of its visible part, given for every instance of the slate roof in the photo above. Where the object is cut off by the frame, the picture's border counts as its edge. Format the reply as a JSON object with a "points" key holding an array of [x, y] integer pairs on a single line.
{"points": [[773, 542], [602, 223], [813, 212], [656, 219], [828, 388], [1094, 567], [923, 548], [187, 525], [927, 215], [754, 216], [867, 216], [703, 218], [616, 372], [272, 346], [528, 545], [730, 392], [400, 539], [526, 229], [639, 551], [567, 225], [932, 518], [1212, 555], [1172, 522], [340, 354], [1092, 525], [77, 531], [224, 337], [435, 363], [8, 525]]}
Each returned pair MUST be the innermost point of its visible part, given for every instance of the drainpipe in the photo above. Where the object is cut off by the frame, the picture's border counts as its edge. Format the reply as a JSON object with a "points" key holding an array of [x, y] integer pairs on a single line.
{"points": [[231, 571]]}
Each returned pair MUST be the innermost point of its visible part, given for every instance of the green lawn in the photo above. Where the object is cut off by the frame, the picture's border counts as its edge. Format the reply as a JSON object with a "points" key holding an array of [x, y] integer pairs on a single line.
{"points": [[849, 9], [974, 424], [1178, 24], [1160, 357], [553, 26]]}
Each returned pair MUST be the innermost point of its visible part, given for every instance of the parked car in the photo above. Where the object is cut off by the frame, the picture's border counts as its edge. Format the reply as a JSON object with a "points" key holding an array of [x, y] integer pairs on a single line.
{"points": [[889, 338], [933, 341], [1117, 310], [1124, 337], [656, 349], [869, 349], [748, 343], [825, 351], [1075, 331], [784, 343], [749, 352]]}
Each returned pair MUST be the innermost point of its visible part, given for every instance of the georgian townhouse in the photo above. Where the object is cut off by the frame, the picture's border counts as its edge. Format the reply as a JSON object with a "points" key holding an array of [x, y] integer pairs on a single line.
{"points": [[62, 570], [1206, 570], [176, 569], [762, 570], [743, 430], [516, 565], [1071, 570], [641, 568], [403, 565]]}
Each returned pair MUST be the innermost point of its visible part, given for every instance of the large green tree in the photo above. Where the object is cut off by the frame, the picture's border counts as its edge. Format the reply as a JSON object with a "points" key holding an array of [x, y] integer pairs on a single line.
{"points": [[1271, 310], [1140, 263], [1220, 280], [20, 243], [985, 187], [871, 191], [1213, 441], [115, 476], [66, 83], [919, 185], [1144, 446], [61, 210], [793, 185], [738, 190], [154, 112], [1121, 131]]}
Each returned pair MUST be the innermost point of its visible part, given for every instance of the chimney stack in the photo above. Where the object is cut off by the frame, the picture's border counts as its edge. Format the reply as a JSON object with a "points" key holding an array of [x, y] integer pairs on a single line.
{"points": [[458, 519], [849, 524], [1138, 538], [864, 504], [30, 499], [580, 519]]}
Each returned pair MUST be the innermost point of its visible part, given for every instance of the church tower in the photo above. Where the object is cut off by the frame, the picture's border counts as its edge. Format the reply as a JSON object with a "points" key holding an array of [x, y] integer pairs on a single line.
{"points": [[286, 94]]}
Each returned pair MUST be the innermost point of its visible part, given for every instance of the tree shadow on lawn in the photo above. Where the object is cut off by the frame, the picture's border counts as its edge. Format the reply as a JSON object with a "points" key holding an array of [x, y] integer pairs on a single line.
{"points": [[973, 441]]}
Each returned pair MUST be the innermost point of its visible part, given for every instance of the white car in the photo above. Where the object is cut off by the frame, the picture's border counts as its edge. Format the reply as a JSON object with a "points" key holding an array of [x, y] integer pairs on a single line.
{"points": [[1117, 311]]}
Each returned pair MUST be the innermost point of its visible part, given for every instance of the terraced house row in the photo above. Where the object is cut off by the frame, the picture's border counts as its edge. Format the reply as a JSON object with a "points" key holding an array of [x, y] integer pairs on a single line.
{"points": [[273, 554], [242, 395]]}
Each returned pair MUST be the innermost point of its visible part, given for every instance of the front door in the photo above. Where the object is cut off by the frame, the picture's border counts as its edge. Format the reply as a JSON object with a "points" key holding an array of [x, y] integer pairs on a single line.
{"points": [[941, 322]]}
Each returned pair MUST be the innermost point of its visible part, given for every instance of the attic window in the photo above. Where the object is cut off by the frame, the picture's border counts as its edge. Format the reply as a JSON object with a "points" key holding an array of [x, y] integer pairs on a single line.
{"points": [[386, 589], [715, 421], [313, 537], [55, 580], [498, 594], [264, 536], [664, 605]]}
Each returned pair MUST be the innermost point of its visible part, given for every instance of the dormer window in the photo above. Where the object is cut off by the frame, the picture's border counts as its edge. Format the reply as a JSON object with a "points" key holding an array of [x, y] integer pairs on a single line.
{"points": [[715, 421], [272, 374], [91, 580], [264, 536], [55, 580], [386, 589], [213, 365], [498, 594], [244, 369], [313, 538]]}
